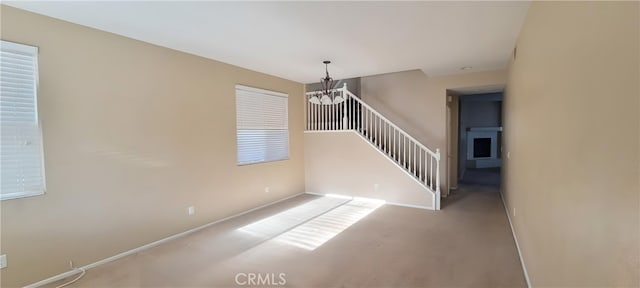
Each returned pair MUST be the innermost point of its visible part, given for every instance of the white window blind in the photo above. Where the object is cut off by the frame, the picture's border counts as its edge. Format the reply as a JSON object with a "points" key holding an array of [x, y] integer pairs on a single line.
{"points": [[262, 125], [20, 141]]}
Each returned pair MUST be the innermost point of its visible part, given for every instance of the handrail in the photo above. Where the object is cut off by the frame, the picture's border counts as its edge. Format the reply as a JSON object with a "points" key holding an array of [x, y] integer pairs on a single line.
{"points": [[320, 92], [435, 154], [341, 114]]}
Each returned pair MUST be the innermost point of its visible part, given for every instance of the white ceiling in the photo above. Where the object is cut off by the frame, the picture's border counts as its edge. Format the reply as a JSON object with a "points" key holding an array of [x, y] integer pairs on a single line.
{"points": [[290, 39]]}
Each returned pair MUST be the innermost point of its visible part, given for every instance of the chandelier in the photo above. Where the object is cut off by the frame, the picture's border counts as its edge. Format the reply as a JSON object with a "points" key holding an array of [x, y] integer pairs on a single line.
{"points": [[328, 94]]}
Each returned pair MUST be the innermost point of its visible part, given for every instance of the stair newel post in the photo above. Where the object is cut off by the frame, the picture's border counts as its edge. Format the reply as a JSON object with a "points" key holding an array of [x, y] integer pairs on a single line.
{"points": [[345, 119], [437, 198]]}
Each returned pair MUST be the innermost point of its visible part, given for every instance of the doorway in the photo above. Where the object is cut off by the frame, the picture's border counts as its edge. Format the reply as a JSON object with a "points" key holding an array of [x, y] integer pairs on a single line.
{"points": [[479, 138]]}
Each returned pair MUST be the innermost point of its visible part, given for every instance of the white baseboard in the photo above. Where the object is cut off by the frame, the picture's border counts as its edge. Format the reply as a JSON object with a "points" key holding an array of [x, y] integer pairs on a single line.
{"points": [[515, 238], [386, 202], [315, 193], [147, 246], [411, 206]]}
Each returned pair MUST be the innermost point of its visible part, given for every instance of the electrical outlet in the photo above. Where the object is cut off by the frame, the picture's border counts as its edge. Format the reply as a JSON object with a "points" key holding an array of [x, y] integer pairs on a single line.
{"points": [[3, 261], [266, 189], [191, 210], [376, 187], [514, 211]]}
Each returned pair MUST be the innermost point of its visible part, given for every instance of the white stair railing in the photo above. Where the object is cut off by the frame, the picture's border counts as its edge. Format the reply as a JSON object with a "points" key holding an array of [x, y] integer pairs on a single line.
{"points": [[343, 111]]}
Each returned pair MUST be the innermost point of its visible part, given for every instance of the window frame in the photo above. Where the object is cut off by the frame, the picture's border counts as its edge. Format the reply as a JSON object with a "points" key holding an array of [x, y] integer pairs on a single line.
{"points": [[267, 93], [33, 50]]}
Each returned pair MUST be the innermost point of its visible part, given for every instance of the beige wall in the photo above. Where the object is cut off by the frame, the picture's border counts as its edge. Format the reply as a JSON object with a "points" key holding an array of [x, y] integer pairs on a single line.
{"points": [[571, 119], [133, 135], [417, 104], [330, 168]]}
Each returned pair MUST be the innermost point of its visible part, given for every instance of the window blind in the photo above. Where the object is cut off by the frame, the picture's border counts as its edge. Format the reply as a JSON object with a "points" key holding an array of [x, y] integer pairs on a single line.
{"points": [[262, 125], [20, 140]]}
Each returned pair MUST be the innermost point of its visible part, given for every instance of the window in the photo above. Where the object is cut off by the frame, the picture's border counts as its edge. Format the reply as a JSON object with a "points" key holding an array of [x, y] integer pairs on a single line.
{"points": [[21, 167], [262, 125]]}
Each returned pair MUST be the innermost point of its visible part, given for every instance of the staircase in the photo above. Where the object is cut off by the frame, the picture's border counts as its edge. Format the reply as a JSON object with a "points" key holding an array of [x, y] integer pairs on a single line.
{"points": [[348, 113]]}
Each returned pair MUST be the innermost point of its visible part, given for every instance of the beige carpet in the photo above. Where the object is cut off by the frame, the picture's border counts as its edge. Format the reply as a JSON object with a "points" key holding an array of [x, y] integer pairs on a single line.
{"points": [[467, 244]]}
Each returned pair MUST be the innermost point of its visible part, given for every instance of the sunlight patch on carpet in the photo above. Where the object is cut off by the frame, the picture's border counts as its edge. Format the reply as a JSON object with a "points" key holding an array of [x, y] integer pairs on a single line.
{"points": [[323, 228], [282, 222]]}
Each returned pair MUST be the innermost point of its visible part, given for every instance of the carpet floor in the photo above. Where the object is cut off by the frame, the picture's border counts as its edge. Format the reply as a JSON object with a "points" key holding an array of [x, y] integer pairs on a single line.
{"points": [[481, 176], [354, 244]]}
